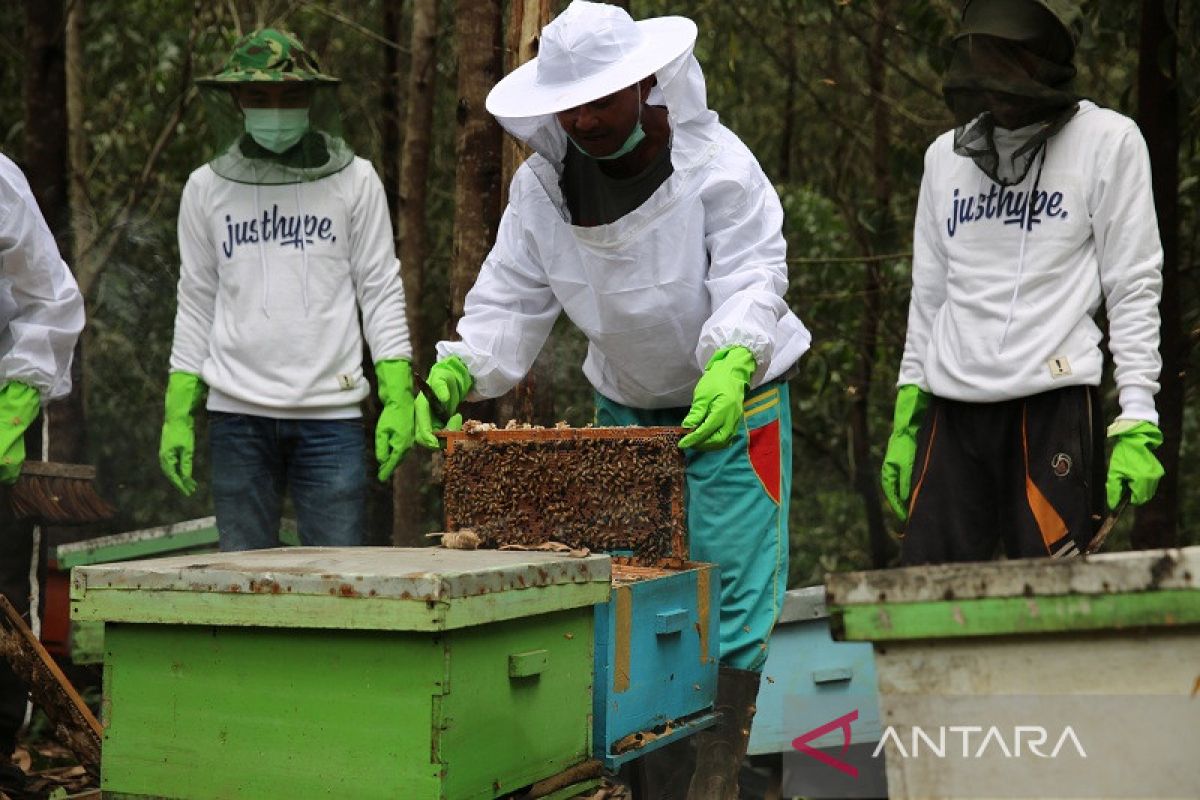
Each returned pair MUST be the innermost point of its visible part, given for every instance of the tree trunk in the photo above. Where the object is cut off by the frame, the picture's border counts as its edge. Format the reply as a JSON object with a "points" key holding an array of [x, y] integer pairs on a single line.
{"points": [[46, 137], [380, 496], [81, 218], [477, 25], [866, 471], [1156, 523], [408, 506], [392, 112], [414, 168], [532, 400], [46, 114], [477, 146]]}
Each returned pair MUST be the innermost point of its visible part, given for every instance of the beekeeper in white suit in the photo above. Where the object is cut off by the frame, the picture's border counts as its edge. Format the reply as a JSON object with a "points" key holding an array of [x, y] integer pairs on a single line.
{"points": [[41, 317], [654, 228]]}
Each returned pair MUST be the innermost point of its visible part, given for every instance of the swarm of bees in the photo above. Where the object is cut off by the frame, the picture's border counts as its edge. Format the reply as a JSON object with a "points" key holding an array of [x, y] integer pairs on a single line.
{"points": [[606, 489]]}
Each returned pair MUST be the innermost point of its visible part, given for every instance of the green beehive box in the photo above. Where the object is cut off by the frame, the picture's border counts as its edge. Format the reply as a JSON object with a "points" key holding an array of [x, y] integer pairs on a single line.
{"points": [[326, 672], [979, 659]]}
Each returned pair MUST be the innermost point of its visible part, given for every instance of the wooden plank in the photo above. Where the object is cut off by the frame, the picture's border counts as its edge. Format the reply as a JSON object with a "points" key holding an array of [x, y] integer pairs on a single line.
{"points": [[53, 469], [72, 720], [158, 606], [176, 538], [806, 603], [421, 573], [999, 616], [584, 788], [456, 438], [133, 547], [705, 595], [1103, 574], [623, 634], [676, 730]]}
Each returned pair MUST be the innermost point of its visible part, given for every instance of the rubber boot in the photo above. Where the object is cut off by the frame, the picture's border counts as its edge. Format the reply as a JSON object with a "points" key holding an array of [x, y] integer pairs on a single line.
{"points": [[721, 749], [663, 774]]}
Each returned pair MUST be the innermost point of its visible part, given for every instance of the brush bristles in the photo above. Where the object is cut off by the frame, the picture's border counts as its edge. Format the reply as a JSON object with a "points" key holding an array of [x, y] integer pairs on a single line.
{"points": [[59, 501]]}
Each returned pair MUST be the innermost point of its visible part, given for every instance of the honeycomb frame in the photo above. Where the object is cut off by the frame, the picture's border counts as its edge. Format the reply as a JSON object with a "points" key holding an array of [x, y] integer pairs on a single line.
{"points": [[607, 489]]}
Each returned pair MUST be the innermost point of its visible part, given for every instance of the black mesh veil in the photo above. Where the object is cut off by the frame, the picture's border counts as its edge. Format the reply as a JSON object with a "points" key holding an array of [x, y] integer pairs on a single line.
{"points": [[321, 152], [1010, 82]]}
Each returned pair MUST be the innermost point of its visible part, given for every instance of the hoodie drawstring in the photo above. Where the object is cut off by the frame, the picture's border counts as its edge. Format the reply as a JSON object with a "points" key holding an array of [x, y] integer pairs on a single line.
{"points": [[303, 248], [1026, 224], [262, 255], [262, 258]]}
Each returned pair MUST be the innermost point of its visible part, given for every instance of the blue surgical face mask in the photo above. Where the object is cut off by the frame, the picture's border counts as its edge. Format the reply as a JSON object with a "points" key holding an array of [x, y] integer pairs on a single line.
{"points": [[633, 140], [276, 129]]}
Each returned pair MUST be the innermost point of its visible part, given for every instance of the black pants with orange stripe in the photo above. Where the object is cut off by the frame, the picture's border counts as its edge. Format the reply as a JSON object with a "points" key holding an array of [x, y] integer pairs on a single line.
{"points": [[1024, 475]]}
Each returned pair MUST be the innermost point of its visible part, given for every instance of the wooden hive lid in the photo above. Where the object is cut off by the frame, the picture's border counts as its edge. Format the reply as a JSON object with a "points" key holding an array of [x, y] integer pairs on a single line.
{"points": [[383, 588], [1107, 592], [1103, 574]]}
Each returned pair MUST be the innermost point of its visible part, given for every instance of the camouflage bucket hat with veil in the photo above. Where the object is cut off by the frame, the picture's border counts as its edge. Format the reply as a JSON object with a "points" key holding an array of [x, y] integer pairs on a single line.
{"points": [[273, 57], [268, 56]]}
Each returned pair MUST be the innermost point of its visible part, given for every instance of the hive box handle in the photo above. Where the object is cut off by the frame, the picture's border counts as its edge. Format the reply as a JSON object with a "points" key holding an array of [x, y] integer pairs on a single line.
{"points": [[668, 622], [528, 665], [835, 675]]}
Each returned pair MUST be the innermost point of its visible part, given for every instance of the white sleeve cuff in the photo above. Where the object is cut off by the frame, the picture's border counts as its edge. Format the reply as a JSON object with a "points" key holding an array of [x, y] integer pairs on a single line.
{"points": [[1137, 402]]}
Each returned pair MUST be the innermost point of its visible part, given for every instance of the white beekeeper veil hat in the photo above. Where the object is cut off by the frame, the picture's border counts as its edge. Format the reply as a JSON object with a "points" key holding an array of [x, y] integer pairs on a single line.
{"points": [[589, 51]]}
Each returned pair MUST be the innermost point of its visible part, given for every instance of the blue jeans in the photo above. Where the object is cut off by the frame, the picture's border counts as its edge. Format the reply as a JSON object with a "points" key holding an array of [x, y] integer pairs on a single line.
{"points": [[322, 462]]}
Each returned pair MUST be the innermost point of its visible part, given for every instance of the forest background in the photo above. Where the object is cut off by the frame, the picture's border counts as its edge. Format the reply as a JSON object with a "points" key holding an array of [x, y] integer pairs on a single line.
{"points": [[837, 98]]}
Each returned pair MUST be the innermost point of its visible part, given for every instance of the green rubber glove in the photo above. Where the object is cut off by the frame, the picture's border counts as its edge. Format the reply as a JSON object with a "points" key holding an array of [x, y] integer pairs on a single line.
{"points": [[898, 461], [19, 404], [717, 400], [1132, 464], [450, 381], [178, 443], [395, 430]]}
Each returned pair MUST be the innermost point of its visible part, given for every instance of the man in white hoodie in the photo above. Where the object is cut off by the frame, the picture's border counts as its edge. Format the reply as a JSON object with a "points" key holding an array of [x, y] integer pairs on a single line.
{"points": [[284, 238], [41, 316], [652, 226], [1034, 210]]}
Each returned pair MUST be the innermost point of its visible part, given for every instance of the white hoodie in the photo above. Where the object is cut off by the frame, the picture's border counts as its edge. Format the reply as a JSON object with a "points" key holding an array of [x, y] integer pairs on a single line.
{"points": [[1004, 295], [270, 286], [701, 265], [41, 310]]}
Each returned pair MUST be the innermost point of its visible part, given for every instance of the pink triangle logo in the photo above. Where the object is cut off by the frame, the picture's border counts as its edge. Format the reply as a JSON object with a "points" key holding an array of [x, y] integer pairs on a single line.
{"points": [[843, 723]]}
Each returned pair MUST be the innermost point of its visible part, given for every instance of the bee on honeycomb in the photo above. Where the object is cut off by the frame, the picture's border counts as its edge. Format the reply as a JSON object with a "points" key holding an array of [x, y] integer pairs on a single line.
{"points": [[607, 492]]}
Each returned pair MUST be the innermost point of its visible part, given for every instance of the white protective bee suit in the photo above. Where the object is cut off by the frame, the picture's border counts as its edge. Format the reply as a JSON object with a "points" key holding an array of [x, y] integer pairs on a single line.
{"points": [[699, 266], [41, 310]]}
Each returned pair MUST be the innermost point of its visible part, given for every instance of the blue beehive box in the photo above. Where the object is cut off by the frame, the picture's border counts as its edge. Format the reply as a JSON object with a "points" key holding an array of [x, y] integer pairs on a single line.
{"points": [[657, 639], [808, 681], [657, 643]]}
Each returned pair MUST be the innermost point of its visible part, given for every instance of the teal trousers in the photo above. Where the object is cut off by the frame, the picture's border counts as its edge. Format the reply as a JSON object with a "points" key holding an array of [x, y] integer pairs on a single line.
{"points": [[737, 514]]}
